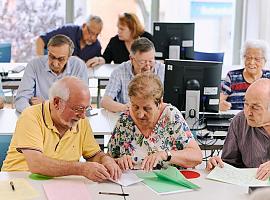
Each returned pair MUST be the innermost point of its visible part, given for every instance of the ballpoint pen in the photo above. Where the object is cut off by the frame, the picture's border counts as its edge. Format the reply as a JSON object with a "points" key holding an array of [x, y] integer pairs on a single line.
{"points": [[12, 185], [112, 193]]}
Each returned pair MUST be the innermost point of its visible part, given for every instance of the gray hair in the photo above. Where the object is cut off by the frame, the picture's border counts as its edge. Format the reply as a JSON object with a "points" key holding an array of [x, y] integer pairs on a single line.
{"points": [[257, 44], [95, 19], [59, 89], [59, 40], [141, 45]]}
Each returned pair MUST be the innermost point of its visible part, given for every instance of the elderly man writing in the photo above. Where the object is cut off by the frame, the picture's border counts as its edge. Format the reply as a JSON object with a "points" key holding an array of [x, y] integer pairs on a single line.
{"points": [[248, 140], [41, 72], [142, 59], [50, 137], [86, 44]]}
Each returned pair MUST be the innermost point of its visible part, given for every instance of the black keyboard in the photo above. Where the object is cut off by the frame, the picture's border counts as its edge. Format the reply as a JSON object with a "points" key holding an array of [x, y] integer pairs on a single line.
{"points": [[217, 116]]}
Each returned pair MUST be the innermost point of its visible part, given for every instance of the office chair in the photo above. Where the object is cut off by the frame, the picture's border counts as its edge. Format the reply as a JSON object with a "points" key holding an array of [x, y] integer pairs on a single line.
{"points": [[5, 52], [4, 144], [208, 56]]}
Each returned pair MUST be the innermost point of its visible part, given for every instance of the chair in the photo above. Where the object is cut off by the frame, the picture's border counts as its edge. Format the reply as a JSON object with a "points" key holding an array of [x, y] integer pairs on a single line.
{"points": [[4, 144], [5, 52], [208, 56]]}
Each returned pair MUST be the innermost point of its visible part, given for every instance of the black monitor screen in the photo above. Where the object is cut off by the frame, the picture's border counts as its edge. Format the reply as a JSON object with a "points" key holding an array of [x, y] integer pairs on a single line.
{"points": [[181, 34], [208, 74]]}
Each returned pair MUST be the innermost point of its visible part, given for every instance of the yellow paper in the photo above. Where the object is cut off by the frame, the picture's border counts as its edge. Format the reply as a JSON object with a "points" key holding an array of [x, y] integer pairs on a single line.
{"points": [[23, 190]]}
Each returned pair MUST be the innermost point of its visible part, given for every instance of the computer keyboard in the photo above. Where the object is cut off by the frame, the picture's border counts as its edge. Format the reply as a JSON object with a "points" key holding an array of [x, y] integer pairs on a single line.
{"points": [[18, 69], [219, 116]]}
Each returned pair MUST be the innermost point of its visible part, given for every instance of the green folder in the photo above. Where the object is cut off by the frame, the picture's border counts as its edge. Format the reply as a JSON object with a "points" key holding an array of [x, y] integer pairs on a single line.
{"points": [[167, 181]]}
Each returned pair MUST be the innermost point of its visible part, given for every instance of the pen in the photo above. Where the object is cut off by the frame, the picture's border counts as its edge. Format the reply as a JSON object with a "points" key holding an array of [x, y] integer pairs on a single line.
{"points": [[12, 185], [112, 193]]}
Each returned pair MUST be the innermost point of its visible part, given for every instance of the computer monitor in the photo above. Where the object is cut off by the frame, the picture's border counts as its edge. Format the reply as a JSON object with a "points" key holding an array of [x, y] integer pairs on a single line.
{"points": [[175, 37], [179, 72]]}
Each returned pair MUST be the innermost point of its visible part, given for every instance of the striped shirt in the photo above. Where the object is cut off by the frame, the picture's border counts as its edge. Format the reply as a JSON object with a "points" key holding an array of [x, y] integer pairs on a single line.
{"points": [[236, 86], [117, 87], [246, 146]]}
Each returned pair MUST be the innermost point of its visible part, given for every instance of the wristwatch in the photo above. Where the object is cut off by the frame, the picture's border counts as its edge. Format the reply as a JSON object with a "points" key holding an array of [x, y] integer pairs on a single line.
{"points": [[169, 155]]}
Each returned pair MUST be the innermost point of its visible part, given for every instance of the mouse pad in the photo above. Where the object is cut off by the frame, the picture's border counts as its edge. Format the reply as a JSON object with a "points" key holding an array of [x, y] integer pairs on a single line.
{"points": [[39, 177], [190, 174]]}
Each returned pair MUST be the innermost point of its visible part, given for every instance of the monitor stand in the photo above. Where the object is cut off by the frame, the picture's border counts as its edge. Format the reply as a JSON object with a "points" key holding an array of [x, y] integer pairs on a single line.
{"points": [[192, 110]]}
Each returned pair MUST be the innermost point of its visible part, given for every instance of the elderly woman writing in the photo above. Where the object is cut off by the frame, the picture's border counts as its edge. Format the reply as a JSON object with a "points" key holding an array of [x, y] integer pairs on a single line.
{"points": [[254, 56], [151, 131]]}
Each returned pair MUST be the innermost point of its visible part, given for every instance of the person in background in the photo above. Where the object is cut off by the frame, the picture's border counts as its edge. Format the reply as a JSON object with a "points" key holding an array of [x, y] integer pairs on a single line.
{"points": [[42, 71], [152, 132], [254, 56], [119, 47], [247, 144], [142, 59], [1, 95], [84, 38], [51, 137]]}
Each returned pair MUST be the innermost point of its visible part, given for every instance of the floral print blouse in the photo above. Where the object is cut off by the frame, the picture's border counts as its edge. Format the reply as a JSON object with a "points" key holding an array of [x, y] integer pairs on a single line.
{"points": [[171, 132]]}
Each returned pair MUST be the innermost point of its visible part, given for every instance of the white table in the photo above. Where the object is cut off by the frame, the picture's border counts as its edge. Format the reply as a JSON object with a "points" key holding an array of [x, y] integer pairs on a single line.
{"points": [[93, 188], [102, 123], [210, 190], [102, 73]]}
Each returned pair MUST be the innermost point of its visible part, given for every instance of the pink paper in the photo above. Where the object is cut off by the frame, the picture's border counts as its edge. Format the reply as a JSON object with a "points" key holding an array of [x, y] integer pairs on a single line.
{"points": [[66, 189]]}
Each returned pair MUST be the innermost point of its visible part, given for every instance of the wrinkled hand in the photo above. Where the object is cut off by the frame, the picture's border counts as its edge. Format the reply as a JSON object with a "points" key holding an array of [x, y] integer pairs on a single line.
{"points": [[1, 103], [95, 171], [213, 162], [93, 62], [112, 167], [263, 172], [224, 105], [36, 100], [152, 160], [125, 162]]}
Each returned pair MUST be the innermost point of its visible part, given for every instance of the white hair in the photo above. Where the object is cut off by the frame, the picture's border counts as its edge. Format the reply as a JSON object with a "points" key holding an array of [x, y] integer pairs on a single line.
{"points": [[59, 89], [257, 44]]}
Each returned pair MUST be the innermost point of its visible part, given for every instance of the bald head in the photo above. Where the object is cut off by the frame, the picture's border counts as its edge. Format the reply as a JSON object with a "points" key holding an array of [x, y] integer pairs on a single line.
{"points": [[260, 88], [69, 87]]}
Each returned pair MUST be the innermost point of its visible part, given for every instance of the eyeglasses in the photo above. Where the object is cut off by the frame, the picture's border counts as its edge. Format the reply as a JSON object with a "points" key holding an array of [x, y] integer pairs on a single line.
{"points": [[256, 59], [59, 59], [79, 109], [144, 62]]}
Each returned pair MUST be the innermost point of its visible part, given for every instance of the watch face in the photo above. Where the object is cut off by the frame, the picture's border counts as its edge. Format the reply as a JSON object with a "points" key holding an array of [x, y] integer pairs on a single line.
{"points": [[169, 155]]}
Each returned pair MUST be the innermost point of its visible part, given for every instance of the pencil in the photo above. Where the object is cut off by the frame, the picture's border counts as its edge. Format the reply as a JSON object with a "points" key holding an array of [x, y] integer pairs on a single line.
{"points": [[112, 193], [12, 185]]}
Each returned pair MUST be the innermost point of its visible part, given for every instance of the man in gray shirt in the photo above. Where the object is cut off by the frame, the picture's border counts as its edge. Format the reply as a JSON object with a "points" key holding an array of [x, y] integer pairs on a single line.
{"points": [[142, 59], [247, 144], [41, 72]]}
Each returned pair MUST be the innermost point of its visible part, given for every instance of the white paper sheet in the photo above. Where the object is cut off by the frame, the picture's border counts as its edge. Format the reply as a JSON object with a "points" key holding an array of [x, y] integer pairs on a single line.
{"points": [[128, 178], [233, 175]]}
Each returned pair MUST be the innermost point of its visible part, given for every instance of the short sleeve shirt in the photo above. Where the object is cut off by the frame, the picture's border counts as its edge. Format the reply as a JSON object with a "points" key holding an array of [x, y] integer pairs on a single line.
{"points": [[35, 130]]}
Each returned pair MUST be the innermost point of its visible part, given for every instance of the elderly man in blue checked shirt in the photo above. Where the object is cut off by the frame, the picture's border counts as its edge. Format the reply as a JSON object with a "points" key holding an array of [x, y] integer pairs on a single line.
{"points": [[142, 59], [42, 71]]}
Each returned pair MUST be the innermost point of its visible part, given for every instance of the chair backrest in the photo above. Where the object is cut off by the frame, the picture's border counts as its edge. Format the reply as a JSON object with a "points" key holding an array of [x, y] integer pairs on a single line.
{"points": [[208, 56], [5, 52], [4, 144]]}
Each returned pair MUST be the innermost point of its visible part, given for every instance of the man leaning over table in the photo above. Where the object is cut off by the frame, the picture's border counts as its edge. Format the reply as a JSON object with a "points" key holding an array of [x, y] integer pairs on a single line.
{"points": [[51, 137], [247, 144], [42, 71], [142, 59]]}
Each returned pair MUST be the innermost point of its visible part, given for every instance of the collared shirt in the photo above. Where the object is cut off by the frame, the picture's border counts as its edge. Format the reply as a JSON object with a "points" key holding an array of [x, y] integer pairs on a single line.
{"points": [[35, 130], [74, 32], [117, 87], [38, 78], [245, 146], [236, 86]]}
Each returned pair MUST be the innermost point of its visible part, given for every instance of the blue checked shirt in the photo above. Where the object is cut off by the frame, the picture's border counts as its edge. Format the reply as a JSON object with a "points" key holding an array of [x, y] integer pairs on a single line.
{"points": [[38, 78], [117, 87]]}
